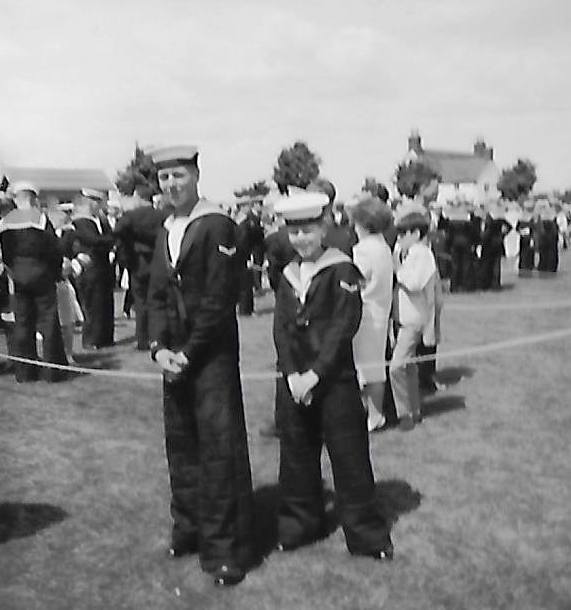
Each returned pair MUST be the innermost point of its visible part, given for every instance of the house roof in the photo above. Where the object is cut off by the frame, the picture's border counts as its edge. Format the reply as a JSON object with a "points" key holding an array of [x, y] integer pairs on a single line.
{"points": [[454, 167], [52, 179]]}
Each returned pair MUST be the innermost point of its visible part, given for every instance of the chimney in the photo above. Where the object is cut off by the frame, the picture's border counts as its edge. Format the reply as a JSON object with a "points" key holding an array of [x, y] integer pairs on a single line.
{"points": [[414, 142], [482, 151]]}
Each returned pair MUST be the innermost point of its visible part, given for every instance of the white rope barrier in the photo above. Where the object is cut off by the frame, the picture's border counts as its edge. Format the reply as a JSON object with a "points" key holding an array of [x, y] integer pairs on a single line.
{"points": [[473, 350], [546, 305]]}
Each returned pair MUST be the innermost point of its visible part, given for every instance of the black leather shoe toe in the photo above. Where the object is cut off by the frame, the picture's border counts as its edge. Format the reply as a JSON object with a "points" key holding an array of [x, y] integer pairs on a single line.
{"points": [[386, 554], [228, 576], [180, 548]]}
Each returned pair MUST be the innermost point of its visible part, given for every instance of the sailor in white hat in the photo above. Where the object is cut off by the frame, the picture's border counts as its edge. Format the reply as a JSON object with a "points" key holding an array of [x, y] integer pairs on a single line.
{"points": [[92, 240], [136, 232], [317, 313], [193, 330], [31, 254]]}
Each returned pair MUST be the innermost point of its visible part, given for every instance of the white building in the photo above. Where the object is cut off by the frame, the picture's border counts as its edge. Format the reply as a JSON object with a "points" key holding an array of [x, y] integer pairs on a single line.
{"points": [[466, 176]]}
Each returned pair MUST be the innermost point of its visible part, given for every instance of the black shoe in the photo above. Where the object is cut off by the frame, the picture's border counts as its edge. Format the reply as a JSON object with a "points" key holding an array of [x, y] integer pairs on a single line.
{"points": [[228, 575], [406, 423], [429, 389], [386, 554], [183, 546], [285, 547], [282, 547]]}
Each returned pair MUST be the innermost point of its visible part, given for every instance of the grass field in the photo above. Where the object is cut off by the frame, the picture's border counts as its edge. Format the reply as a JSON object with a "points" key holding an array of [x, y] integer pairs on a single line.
{"points": [[480, 492]]}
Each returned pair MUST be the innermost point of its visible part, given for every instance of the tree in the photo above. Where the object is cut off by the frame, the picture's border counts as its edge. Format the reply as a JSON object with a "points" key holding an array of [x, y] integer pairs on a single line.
{"points": [[141, 173], [566, 197], [296, 166], [256, 189], [377, 189], [516, 182], [413, 177]]}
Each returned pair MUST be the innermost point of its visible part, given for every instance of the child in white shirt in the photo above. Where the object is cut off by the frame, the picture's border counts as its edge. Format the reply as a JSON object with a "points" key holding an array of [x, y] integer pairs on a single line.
{"points": [[414, 313]]}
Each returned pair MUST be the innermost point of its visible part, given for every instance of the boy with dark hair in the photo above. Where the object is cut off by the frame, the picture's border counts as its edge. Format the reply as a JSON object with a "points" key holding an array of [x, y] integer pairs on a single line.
{"points": [[318, 312], [414, 312]]}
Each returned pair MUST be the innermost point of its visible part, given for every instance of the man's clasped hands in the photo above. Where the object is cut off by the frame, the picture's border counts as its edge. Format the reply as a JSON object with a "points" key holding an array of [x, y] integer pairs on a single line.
{"points": [[300, 386]]}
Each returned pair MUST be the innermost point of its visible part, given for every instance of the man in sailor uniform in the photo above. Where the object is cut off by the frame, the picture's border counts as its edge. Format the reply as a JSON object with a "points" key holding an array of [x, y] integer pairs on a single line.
{"points": [[136, 232], [318, 312], [92, 237], [33, 259], [496, 227], [193, 329]]}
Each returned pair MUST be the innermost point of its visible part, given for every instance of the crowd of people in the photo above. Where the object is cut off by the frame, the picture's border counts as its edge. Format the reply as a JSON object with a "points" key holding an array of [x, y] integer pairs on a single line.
{"points": [[358, 295], [469, 241]]}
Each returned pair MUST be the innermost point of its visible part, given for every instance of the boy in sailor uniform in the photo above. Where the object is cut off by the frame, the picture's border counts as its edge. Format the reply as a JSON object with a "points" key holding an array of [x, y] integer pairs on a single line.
{"points": [[192, 297], [318, 311]]}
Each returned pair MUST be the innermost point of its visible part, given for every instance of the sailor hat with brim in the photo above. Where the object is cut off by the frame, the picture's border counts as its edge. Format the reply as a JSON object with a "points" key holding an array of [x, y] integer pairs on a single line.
{"points": [[302, 207], [93, 194], [169, 156], [24, 185]]}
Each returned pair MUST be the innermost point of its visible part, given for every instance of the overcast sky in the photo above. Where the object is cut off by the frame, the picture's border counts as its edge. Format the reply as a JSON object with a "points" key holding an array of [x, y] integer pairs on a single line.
{"points": [[81, 81]]}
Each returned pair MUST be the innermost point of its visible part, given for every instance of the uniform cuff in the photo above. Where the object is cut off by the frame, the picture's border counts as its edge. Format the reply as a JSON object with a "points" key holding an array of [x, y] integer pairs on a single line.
{"points": [[155, 346]]}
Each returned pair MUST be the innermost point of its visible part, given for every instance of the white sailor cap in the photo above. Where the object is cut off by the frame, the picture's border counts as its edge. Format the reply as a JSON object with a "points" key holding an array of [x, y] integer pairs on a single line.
{"points": [[302, 207], [24, 185], [168, 156], [93, 194]]}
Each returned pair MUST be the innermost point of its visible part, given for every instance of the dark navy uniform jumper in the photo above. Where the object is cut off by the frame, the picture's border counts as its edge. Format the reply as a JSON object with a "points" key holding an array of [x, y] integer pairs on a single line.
{"points": [[97, 280], [137, 232], [31, 251], [192, 308], [317, 333]]}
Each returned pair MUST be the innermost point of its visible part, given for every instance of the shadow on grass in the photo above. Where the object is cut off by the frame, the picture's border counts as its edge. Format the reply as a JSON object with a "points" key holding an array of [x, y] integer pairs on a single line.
{"points": [[506, 285], [438, 405], [125, 341], [451, 375], [98, 360], [18, 520], [394, 497], [266, 501]]}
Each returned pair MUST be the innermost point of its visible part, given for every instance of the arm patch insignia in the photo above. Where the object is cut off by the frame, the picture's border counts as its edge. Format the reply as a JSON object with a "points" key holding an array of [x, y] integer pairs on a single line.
{"points": [[352, 288], [227, 251]]}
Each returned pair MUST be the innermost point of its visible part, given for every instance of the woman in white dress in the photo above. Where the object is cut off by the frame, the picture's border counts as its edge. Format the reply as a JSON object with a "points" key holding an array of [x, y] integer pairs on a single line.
{"points": [[372, 256]]}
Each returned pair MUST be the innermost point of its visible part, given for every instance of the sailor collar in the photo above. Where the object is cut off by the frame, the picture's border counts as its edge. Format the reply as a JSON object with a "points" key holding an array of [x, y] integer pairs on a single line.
{"points": [[291, 272], [202, 208], [177, 249], [30, 218]]}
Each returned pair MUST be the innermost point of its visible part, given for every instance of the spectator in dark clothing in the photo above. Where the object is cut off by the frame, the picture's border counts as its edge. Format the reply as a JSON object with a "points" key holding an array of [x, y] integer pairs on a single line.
{"points": [[548, 241], [136, 233]]}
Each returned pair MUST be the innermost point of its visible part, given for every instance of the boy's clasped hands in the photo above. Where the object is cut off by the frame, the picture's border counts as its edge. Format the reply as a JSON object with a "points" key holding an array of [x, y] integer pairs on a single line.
{"points": [[301, 385]]}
